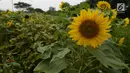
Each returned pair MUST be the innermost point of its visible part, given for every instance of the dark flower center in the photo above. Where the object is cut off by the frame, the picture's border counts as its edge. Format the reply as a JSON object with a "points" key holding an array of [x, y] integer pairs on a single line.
{"points": [[89, 29], [103, 6], [26, 16]]}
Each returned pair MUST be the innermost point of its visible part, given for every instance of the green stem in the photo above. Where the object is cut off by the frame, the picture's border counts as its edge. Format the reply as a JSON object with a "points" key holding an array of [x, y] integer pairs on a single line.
{"points": [[89, 64], [80, 69], [92, 69], [77, 53]]}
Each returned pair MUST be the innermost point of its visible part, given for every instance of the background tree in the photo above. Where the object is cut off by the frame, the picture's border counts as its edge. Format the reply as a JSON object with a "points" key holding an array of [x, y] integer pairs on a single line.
{"points": [[38, 10], [22, 5], [30, 9]]}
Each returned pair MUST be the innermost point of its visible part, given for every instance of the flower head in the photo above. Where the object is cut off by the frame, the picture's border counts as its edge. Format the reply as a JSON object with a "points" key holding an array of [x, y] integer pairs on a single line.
{"points": [[126, 22], [9, 23], [11, 60], [121, 41], [103, 5], [114, 14], [61, 5], [90, 28], [26, 16]]}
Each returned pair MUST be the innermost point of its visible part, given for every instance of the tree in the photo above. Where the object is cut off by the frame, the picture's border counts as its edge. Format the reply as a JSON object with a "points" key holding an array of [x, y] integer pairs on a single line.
{"points": [[38, 10], [30, 9], [21, 5]]}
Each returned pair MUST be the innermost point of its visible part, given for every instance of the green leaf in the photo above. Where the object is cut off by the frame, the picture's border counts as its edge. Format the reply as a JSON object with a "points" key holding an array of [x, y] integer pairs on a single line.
{"points": [[56, 64], [1, 70], [16, 64], [46, 55], [54, 67], [61, 54], [42, 66], [45, 48], [128, 70], [108, 57], [71, 70]]}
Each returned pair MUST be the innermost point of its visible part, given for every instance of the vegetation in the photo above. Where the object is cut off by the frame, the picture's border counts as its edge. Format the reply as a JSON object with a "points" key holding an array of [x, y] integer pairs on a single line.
{"points": [[39, 42]]}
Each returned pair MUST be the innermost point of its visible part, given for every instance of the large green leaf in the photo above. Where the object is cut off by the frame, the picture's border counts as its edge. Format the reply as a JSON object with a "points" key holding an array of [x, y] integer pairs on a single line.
{"points": [[56, 64], [107, 55], [42, 48], [46, 54], [53, 67], [45, 51], [61, 54]]}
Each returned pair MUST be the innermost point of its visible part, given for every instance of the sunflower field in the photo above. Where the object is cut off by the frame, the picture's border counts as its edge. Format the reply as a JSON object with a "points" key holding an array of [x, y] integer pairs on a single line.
{"points": [[76, 39]]}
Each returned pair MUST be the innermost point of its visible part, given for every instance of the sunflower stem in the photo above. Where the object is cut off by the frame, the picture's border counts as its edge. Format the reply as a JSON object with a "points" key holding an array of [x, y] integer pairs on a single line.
{"points": [[93, 69], [80, 69], [89, 64]]}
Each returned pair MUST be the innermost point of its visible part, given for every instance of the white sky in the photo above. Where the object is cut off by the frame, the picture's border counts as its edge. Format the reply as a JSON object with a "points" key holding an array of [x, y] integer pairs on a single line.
{"points": [[43, 4]]}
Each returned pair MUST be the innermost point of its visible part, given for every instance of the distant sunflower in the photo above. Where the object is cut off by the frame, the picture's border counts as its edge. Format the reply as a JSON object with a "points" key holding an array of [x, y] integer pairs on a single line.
{"points": [[26, 16], [126, 22], [121, 41], [114, 14], [90, 28], [61, 5], [10, 23], [103, 5]]}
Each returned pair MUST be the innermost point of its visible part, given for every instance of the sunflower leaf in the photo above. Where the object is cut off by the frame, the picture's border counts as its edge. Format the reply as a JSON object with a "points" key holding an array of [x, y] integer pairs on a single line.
{"points": [[53, 67], [56, 64], [109, 56]]}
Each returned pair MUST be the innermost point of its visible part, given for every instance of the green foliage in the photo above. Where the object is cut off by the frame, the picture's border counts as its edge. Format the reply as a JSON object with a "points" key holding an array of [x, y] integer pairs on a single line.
{"points": [[73, 10], [109, 56], [40, 43], [21, 5], [56, 64], [21, 40]]}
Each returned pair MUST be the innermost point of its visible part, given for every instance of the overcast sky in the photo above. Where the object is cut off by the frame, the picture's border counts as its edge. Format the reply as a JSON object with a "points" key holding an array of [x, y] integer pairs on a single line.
{"points": [[43, 4]]}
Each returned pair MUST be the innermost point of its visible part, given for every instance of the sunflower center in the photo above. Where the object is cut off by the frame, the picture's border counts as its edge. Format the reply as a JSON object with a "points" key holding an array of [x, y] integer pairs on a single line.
{"points": [[26, 17], [89, 29], [103, 6]]}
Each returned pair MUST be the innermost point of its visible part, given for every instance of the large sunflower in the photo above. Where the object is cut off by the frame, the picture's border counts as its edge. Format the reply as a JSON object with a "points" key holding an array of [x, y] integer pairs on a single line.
{"points": [[103, 5], [90, 28]]}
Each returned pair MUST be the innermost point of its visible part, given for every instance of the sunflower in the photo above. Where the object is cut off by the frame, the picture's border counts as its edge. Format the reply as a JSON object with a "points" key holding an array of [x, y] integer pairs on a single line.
{"points": [[26, 16], [61, 5], [103, 5], [121, 41], [10, 23], [114, 14], [90, 28], [126, 22]]}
